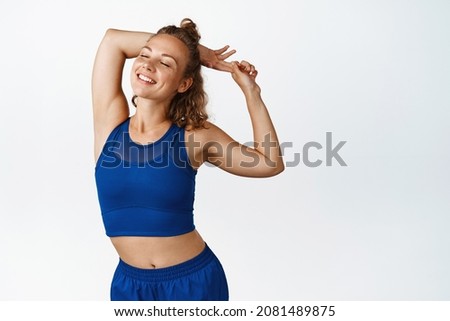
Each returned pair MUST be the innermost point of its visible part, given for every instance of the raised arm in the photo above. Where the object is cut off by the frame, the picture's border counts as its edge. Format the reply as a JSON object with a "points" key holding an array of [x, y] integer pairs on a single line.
{"points": [[110, 106], [264, 158]]}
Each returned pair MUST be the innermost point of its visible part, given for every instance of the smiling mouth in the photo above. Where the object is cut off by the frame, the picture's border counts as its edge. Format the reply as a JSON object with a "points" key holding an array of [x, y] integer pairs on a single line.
{"points": [[146, 79]]}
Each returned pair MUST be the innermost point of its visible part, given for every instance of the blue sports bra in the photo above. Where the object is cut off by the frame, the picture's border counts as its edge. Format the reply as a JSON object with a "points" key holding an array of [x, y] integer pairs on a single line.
{"points": [[145, 190]]}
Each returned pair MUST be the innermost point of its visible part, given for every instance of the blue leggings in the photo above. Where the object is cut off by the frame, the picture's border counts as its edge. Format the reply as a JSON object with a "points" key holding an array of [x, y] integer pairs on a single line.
{"points": [[201, 278]]}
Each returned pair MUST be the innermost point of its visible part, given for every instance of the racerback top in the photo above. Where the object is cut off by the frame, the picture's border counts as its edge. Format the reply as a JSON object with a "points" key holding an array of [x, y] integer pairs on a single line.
{"points": [[145, 190]]}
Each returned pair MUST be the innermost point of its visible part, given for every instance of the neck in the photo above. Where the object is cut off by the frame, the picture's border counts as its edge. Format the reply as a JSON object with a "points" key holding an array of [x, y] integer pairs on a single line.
{"points": [[149, 117]]}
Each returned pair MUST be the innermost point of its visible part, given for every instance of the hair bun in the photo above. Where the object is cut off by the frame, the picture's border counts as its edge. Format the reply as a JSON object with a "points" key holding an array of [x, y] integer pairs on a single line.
{"points": [[189, 25]]}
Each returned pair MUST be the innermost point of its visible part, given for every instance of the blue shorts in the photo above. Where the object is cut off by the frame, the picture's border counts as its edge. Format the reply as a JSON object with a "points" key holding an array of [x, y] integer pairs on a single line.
{"points": [[201, 278]]}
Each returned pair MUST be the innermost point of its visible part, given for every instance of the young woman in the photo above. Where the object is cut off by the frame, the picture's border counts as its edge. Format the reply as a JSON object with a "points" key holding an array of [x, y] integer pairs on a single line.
{"points": [[146, 164]]}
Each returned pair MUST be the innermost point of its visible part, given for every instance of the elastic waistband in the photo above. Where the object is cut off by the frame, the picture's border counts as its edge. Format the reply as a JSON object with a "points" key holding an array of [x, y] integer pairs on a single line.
{"points": [[168, 273]]}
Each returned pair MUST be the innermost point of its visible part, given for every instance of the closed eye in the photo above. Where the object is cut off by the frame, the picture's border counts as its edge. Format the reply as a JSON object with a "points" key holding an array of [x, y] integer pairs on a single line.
{"points": [[165, 64]]}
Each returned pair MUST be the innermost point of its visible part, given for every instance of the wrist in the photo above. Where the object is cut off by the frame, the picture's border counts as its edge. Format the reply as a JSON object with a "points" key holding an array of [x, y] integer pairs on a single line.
{"points": [[203, 51], [252, 92]]}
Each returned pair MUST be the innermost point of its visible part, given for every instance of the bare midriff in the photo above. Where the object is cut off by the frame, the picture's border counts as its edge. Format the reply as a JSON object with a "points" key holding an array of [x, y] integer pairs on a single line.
{"points": [[158, 252]]}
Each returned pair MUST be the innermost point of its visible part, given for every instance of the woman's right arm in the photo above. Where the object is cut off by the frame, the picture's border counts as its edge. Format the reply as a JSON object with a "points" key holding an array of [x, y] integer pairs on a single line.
{"points": [[110, 106]]}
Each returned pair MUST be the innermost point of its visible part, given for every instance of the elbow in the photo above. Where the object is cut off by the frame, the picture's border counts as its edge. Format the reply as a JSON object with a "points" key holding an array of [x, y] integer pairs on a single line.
{"points": [[108, 33], [111, 35], [280, 168], [277, 168]]}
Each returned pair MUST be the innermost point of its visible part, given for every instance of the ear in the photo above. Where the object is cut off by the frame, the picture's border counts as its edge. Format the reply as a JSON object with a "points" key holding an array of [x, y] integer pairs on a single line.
{"points": [[185, 84]]}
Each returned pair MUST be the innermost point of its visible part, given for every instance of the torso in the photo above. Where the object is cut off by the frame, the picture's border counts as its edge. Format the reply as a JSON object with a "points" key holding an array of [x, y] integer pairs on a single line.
{"points": [[149, 252], [158, 252]]}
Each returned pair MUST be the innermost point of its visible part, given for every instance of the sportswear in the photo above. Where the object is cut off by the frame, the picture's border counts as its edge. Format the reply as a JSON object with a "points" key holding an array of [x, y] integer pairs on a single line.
{"points": [[198, 279], [145, 190]]}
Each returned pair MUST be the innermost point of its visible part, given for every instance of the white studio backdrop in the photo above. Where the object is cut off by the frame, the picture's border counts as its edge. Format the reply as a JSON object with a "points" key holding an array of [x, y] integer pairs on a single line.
{"points": [[373, 74]]}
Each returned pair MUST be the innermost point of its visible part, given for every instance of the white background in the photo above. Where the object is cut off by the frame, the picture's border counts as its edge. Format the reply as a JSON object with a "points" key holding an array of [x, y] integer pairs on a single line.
{"points": [[374, 73]]}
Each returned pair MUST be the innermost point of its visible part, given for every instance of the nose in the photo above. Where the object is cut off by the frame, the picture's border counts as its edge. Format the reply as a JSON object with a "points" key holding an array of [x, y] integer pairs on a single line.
{"points": [[148, 65]]}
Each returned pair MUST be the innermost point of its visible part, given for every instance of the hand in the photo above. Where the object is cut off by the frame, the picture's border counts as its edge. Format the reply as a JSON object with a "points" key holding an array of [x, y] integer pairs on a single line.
{"points": [[244, 74], [215, 59]]}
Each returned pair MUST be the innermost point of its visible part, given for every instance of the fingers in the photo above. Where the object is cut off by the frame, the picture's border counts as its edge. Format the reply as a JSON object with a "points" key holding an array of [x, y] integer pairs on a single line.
{"points": [[225, 66], [222, 54], [228, 54], [247, 67], [221, 50]]}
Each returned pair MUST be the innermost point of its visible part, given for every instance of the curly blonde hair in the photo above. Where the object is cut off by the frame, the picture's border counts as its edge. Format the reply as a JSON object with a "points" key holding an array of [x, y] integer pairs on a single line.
{"points": [[188, 109]]}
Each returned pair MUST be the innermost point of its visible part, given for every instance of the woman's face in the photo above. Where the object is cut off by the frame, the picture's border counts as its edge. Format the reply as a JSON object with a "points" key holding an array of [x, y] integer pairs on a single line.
{"points": [[158, 71]]}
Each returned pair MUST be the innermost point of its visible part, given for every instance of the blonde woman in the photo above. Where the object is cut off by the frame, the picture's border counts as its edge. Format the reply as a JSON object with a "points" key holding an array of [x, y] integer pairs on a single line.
{"points": [[146, 164]]}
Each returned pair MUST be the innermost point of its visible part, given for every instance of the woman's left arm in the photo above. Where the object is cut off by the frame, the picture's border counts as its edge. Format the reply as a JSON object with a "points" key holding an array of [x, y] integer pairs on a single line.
{"points": [[264, 158]]}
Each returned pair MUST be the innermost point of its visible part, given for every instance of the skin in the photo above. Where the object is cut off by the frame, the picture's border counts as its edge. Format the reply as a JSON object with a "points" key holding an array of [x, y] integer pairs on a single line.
{"points": [[157, 75]]}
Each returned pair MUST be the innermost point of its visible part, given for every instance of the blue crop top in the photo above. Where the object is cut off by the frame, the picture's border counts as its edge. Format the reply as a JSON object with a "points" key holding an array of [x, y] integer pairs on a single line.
{"points": [[145, 190]]}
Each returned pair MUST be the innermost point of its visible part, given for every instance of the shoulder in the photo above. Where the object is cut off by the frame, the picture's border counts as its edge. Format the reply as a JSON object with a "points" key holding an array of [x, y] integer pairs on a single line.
{"points": [[204, 142], [205, 134]]}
